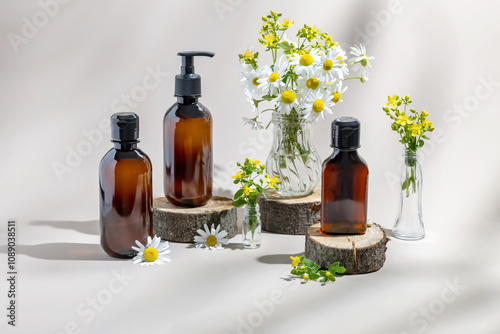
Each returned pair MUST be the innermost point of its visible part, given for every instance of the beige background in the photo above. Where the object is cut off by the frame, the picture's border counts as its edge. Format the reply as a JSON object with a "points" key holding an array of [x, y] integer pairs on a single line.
{"points": [[62, 78]]}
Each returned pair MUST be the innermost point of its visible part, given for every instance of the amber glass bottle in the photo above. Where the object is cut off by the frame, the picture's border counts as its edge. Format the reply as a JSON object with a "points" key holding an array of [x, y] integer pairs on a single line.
{"points": [[125, 179], [187, 140], [344, 188]]}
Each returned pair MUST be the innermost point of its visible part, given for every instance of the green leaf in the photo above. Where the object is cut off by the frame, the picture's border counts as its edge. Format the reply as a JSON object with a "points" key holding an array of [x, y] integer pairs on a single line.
{"points": [[333, 267], [425, 137], [331, 278], [298, 271], [311, 265], [238, 193], [239, 202], [236, 181], [313, 276], [341, 270]]}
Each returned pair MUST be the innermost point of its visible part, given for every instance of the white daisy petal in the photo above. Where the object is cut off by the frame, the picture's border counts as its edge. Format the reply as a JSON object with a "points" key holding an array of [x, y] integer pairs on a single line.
{"points": [[221, 235]]}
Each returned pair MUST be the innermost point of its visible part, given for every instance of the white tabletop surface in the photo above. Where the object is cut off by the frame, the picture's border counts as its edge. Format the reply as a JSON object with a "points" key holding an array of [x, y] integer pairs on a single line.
{"points": [[66, 77]]}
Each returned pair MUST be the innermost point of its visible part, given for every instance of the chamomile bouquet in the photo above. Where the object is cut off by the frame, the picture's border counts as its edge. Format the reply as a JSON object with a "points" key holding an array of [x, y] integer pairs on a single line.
{"points": [[306, 77]]}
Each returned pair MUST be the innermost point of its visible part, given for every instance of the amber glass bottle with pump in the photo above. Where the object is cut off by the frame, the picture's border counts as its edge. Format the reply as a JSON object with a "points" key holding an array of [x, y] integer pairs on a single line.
{"points": [[344, 190], [187, 135], [125, 179]]}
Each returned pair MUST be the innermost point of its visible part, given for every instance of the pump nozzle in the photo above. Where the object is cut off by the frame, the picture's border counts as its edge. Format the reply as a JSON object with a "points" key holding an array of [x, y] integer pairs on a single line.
{"points": [[188, 83]]}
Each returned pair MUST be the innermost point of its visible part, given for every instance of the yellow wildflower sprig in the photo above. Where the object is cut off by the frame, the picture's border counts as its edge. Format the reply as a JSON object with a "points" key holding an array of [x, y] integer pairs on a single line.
{"points": [[254, 181], [411, 125], [249, 57]]}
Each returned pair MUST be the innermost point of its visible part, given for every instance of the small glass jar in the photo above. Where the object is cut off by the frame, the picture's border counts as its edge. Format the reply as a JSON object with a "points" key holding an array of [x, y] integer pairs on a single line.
{"points": [[252, 226]]}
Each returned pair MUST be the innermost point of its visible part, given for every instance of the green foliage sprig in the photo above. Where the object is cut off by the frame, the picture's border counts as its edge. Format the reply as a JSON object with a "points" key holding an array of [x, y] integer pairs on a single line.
{"points": [[254, 181], [310, 271]]}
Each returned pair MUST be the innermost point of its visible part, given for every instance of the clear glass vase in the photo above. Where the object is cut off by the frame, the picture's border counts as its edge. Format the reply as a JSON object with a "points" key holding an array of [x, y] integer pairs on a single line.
{"points": [[293, 157], [409, 224], [252, 226]]}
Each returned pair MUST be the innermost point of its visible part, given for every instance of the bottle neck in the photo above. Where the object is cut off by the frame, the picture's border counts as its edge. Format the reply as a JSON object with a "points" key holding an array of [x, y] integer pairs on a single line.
{"points": [[353, 152], [187, 99], [125, 146]]}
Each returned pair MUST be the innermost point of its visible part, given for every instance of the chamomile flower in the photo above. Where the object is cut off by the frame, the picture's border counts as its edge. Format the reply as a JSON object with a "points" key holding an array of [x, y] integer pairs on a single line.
{"points": [[250, 81], [286, 101], [332, 64], [338, 92], [310, 81], [153, 253], [253, 105], [317, 103], [212, 238], [304, 62], [361, 62], [271, 80]]}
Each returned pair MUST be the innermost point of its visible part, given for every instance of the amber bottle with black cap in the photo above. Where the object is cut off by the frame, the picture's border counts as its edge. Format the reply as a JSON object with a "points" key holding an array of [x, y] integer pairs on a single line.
{"points": [[187, 140], [344, 187], [125, 180]]}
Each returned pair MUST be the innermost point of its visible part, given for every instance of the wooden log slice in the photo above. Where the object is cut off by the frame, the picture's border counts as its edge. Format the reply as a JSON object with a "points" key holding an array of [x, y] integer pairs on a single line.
{"points": [[359, 254], [290, 215], [179, 224]]}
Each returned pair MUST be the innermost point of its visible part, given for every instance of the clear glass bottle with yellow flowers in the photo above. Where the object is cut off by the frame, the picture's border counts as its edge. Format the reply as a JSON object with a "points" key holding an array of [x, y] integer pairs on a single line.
{"points": [[411, 126], [254, 181]]}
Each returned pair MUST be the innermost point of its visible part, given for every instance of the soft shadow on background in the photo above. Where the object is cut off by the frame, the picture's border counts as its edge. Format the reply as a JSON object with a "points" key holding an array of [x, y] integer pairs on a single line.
{"points": [[277, 258], [64, 251], [87, 227]]}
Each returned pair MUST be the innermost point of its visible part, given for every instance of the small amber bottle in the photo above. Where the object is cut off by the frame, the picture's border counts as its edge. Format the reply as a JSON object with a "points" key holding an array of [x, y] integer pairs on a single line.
{"points": [[344, 189], [187, 140], [125, 179]]}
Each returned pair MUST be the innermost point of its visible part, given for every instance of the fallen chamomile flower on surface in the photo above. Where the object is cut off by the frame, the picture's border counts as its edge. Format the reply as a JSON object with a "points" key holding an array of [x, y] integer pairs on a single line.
{"points": [[211, 238], [153, 253]]}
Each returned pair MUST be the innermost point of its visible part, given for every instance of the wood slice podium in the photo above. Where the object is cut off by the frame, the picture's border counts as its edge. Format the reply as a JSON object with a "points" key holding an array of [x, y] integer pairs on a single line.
{"points": [[179, 224], [289, 215], [359, 254]]}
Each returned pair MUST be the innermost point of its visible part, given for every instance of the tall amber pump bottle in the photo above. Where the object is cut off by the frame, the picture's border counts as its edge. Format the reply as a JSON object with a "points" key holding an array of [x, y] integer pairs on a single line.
{"points": [[187, 140], [125, 180], [344, 190]]}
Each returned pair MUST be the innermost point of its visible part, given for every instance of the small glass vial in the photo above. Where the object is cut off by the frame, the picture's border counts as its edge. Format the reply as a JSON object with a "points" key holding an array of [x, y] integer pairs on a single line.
{"points": [[125, 180], [344, 189]]}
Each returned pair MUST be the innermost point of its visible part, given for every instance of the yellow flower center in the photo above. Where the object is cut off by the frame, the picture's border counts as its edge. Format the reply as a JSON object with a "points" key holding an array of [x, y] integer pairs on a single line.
{"points": [[306, 60], [318, 105], [364, 61], [336, 97], [211, 241], [288, 96], [328, 64], [312, 83], [302, 52], [254, 81], [328, 273], [150, 254], [274, 76], [340, 58]]}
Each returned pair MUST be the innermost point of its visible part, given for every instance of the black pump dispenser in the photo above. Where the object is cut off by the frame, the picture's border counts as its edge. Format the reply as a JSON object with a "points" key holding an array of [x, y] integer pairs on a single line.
{"points": [[188, 83]]}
